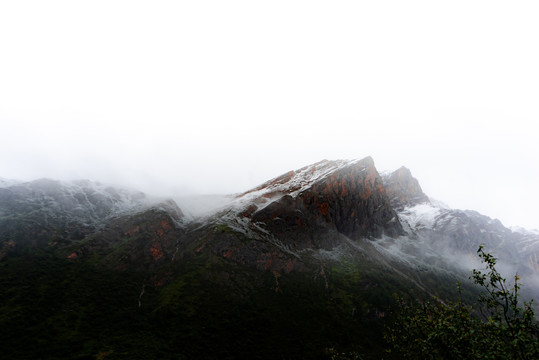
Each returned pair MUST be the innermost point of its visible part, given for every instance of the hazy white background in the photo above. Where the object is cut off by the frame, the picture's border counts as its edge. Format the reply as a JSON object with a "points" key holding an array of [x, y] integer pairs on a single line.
{"points": [[218, 96]]}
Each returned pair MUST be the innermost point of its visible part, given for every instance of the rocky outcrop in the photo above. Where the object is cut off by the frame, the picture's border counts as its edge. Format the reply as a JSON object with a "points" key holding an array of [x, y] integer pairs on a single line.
{"points": [[304, 207], [403, 189], [354, 200]]}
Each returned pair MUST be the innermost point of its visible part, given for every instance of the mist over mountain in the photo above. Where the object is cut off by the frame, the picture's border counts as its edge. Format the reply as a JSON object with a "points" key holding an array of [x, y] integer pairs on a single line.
{"points": [[314, 257]]}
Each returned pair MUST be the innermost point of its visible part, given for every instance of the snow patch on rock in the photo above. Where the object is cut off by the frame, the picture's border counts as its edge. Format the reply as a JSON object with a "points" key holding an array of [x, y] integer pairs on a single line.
{"points": [[291, 183], [420, 216]]}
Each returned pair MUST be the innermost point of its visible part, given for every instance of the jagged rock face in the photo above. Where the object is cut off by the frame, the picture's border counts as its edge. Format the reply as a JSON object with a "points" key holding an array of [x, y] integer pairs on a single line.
{"points": [[403, 189], [305, 206], [354, 200]]}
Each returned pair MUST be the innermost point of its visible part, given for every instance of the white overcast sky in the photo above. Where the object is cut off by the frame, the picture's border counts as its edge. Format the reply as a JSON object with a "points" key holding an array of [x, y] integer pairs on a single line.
{"points": [[219, 96]]}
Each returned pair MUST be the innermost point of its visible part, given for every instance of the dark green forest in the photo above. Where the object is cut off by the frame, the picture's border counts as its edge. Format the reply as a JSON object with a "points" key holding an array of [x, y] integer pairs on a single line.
{"points": [[53, 308], [59, 309]]}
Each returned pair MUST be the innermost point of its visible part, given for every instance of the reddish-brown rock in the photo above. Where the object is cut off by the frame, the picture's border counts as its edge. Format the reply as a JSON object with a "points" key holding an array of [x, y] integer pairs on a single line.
{"points": [[347, 197], [403, 189]]}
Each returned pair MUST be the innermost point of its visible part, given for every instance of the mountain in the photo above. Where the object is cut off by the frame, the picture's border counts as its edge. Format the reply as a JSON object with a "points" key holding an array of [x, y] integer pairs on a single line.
{"points": [[317, 208], [453, 231], [304, 263], [403, 189], [346, 197], [457, 234], [48, 212]]}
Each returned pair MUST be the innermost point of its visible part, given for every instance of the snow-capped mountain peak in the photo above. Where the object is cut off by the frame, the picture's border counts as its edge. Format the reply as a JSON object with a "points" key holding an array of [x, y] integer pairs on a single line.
{"points": [[294, 182]]}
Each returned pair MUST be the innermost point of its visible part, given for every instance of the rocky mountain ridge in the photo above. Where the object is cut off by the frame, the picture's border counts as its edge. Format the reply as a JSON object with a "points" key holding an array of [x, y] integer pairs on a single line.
{"points": [[347, 197], [310, 208], [47, 212], [457, 234], [330, 243]]}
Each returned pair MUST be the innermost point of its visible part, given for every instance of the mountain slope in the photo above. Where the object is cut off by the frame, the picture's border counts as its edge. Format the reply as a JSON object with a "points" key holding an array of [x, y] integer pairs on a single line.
{"points": [[403, 189], [54, 213], [457, 234], [312, 257], [347, 197]]}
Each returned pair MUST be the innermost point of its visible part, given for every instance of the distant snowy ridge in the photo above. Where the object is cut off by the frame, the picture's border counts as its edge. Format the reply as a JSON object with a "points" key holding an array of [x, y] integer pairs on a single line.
{"points": [[82, 201], [8, 182], [523, 231], [420, 216]]}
